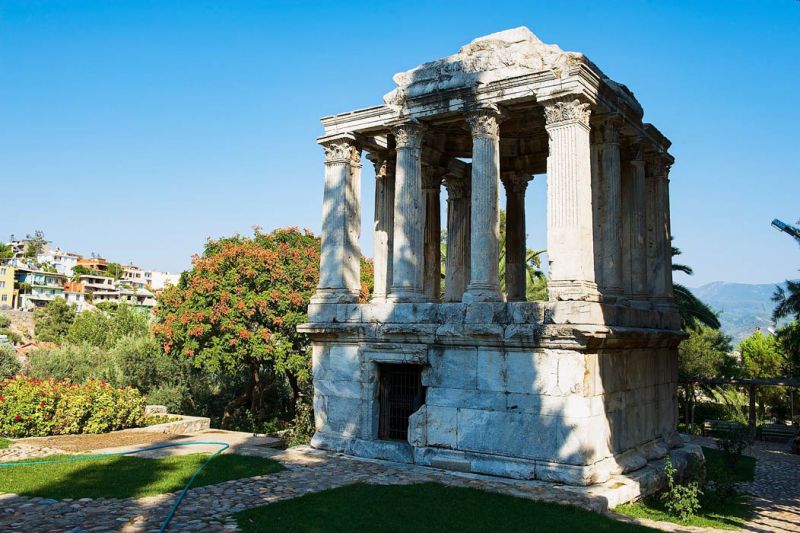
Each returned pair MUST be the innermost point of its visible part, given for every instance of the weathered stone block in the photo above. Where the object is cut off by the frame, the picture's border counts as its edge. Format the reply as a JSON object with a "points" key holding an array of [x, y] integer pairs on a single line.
{"points": [[504, 433], [342, 389], [471, 398], [532, 372], [503, 466], [442, 426], [454, 368], [491, 370], [337, 415]]}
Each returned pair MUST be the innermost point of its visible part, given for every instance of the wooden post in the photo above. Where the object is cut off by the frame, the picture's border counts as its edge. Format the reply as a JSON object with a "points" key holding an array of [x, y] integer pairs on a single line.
{"points": [[752, 414]]}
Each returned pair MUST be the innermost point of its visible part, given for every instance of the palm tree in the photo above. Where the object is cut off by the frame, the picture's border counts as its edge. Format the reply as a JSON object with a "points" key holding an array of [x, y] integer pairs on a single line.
{"points": [[693, 311]]}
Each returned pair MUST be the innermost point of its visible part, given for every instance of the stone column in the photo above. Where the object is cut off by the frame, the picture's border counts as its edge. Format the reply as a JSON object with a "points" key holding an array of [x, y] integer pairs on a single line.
{"points": [[570, 245], [384, 223], [432, 268], [515, 274], [458, 233], [659, 247], [340, 254], [409, 215], [638, 225], [484, 283], [612, 219]]}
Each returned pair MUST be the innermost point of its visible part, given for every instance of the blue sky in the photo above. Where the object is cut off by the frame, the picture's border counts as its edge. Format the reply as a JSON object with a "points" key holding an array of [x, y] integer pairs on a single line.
{"points": [[137, 129]]}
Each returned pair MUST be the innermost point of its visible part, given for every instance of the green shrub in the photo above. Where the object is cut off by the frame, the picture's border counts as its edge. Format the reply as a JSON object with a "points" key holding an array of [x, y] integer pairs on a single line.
{"points": [[171, 396], [13, 336], [302, 426], [37, 408], [77, 362], [681, 501], [4, 321], [104, 328], [9, 363]]}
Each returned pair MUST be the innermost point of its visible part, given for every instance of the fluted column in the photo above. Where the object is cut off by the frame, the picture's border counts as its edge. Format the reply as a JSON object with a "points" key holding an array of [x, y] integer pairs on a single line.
{"points": [[659, 256], [384, 222], [484, 283], [570, 245], [340, 253], [638, 225], [612, 213], [515, 274], [458, 250], [432, 268], [409, 215]]}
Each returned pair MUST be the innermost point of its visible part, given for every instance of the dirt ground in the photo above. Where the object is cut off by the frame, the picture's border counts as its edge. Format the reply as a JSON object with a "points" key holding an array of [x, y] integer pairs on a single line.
{"points": [[84, 443]]}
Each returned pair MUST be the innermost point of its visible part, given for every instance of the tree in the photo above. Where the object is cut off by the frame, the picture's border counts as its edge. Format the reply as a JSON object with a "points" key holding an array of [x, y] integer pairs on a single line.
{"points": [[692, 310], [6, 252], [9, 363], [706, 353], [762, 358], [236, 311], [102, 328], [787, 305], [53, 321], [36, 244]]}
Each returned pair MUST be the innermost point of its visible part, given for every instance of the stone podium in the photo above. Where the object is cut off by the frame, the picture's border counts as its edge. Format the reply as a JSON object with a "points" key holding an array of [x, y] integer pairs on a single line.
{"points": [[445, 370]]}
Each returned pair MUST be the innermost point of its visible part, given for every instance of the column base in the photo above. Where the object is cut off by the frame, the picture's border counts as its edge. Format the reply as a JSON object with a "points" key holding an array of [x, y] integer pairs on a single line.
{"points": [[406, 295], [663, 304], [561, 290], [482, 294], [334, 296]]}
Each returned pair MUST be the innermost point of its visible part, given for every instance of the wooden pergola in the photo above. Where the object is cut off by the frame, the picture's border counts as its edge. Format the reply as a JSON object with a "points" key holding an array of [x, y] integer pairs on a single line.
{"points": [[752, 385]]}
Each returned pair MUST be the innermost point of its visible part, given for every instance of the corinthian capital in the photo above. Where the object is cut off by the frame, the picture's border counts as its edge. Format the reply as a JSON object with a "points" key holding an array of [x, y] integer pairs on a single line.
{"points": [[408, 135], [658, 165], [612, 126], [341, 149], [383, 161], [457, 188], [566, 111], [485, 122], [516, 183]]}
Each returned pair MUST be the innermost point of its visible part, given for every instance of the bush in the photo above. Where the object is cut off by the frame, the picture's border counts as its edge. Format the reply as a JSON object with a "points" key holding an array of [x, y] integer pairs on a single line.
{"points": [[105, 328], [76, 362], [9, 363], [4, 321], [681, 501], [13, 336], [171, 396], [38, 408]]}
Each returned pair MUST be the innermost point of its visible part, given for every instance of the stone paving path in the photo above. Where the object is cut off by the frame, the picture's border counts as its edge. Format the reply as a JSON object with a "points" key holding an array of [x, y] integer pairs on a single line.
{"points": [[209, 508], [775, 489]]}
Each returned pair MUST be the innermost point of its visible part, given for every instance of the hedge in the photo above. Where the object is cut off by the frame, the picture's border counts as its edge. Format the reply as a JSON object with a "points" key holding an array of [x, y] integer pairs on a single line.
{"points": [[39, 408]]}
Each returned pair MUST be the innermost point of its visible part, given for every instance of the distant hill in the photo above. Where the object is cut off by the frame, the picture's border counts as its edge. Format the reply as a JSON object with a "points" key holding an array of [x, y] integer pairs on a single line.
{"points": [[743, 307]]}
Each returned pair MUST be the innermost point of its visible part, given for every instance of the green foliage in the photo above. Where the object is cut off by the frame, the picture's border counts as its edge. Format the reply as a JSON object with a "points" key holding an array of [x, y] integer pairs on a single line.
{"points": [[12, 336], [681, 501], [706, 353], [733, 443], [4, 321], [35, 245], [421, 507], [139, 362], [37, 408], [76, 362], [761, 357], [694, 313], [104, 328], [114, 270], [128, 477], [303, 425], [6, 252], [52, 322], [9, 363], [237, 311]]}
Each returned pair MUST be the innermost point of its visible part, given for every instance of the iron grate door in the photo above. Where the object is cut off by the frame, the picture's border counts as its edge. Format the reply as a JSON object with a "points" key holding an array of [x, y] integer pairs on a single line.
{"points": [[401, 393]]}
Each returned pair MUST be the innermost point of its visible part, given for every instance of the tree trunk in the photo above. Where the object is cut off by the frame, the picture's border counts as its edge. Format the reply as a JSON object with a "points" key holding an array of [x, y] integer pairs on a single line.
{"points": [[296, 392], [238, 401]]}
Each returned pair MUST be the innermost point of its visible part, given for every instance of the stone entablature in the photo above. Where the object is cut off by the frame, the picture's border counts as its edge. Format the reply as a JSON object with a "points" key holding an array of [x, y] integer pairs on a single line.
{"points": [[574, 389]]}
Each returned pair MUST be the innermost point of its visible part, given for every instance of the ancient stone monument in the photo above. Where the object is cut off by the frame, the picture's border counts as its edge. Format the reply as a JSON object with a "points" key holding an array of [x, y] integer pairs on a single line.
{"points": [[463, 376]]}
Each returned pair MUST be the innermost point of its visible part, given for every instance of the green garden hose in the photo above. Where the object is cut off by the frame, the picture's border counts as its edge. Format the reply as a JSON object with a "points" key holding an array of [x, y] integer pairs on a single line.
{"points": [[224, 446]]}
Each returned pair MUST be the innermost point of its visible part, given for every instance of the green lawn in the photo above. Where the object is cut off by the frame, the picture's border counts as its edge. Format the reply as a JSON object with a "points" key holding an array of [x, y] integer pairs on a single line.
{"points": [[4, 443], [424, 507], [722, 515], [127, 476]]}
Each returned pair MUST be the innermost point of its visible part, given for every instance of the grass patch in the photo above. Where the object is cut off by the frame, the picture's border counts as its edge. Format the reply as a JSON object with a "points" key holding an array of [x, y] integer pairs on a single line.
{"points": [[128, 476], [722, 515], [745, 468], [423, 507], [727, 515], [4, 443]]}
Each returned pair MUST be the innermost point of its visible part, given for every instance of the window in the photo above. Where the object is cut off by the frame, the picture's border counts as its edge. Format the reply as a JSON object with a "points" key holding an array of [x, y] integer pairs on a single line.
{"points": [[2, 271], [401, 393], [4, 298], [2, 284]]}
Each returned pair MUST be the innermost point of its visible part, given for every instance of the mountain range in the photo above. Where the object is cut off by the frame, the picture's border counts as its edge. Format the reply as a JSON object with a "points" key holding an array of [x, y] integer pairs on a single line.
{"points": [[743, 307]]}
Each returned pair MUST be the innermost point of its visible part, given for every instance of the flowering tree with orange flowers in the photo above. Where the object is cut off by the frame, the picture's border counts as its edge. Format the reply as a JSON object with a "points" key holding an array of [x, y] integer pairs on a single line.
{"points": [[238, 308]]}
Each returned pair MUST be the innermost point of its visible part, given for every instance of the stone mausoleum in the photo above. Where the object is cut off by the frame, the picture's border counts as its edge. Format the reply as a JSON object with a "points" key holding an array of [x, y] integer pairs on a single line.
{"points": [[443, 368]]}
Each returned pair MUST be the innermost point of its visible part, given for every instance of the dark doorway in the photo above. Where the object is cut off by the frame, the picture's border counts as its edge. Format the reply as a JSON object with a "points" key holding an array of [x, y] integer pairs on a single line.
{"points": [[401, 393]]}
